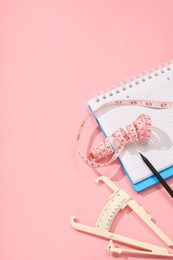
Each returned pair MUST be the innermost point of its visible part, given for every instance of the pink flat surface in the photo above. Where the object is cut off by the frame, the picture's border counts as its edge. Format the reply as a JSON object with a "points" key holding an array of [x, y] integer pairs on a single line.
{"points": [[54, 55]]}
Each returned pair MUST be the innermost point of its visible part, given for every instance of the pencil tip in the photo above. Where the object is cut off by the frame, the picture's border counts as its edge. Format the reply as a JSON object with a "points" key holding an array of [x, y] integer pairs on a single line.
{"points": [[142, 155]]}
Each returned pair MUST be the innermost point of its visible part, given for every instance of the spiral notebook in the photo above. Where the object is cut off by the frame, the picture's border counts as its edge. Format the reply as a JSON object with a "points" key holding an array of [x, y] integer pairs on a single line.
{"points": [[156, 85]]}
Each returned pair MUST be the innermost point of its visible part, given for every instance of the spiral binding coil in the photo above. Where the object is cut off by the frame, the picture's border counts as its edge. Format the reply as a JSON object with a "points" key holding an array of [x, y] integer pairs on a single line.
{"points": [[123, 86]]}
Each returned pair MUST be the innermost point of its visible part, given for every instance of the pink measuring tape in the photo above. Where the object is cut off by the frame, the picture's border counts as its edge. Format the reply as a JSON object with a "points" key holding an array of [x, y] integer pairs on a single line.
{"points": [[138, 130]]}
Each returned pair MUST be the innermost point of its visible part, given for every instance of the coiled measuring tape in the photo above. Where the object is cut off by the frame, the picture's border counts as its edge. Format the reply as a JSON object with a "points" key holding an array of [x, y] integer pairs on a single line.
{"points": [[139, 130]]}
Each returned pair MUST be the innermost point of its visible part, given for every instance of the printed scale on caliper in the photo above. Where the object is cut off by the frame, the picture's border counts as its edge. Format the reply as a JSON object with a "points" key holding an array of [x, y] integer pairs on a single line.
{"points": [[118, 201]]}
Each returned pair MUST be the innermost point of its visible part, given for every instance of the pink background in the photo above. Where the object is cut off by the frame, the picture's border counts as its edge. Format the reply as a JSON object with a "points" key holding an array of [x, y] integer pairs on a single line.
{"points": [[54, 55]]}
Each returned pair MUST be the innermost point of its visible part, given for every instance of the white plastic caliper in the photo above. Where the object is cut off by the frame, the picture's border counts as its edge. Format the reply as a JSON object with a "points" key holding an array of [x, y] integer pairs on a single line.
{"points": [[118, 201]]}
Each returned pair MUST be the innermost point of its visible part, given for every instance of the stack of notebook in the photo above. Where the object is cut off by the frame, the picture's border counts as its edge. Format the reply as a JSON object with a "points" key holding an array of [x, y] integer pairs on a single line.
{"points": [[157, 85]]}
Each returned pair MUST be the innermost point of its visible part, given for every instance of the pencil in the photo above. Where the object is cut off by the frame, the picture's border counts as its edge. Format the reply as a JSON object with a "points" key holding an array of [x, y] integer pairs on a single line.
{"points": [[158, 176]]}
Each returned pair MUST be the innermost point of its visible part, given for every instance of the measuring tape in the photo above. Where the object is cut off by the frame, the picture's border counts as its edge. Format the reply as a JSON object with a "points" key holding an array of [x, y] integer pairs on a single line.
{"points": [[137, 131]]}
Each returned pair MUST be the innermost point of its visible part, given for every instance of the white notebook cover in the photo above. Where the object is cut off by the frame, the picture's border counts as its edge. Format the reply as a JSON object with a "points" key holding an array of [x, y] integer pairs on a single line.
{"points": [[157, 85]]}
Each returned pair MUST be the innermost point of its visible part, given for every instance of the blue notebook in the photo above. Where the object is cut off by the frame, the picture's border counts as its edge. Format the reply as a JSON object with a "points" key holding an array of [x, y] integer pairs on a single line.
{"points": [[157, 85]]}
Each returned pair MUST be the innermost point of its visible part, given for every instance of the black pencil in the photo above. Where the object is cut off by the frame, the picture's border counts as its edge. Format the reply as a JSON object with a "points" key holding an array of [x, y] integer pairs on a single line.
{"points": [[158, 176]]}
